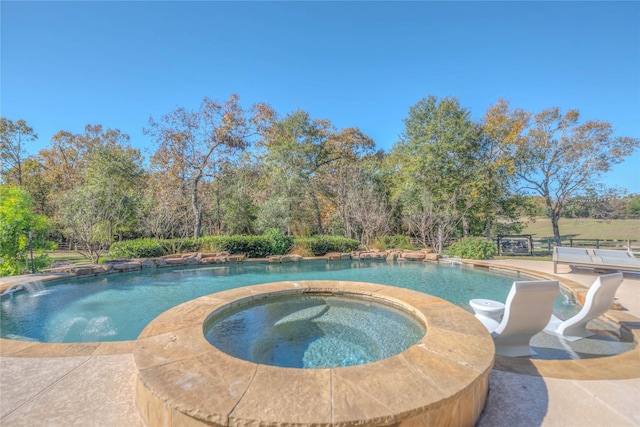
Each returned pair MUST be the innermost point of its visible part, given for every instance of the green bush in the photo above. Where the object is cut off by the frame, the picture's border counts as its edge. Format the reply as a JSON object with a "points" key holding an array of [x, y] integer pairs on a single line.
{"points": [[252, 246], [139, 248], [177, 246], [321, 245], [393, 242], [472, 248], [280, 244], [212, 244]]}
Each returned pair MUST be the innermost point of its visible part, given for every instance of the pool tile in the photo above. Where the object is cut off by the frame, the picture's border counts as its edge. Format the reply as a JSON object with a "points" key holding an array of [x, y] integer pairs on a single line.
{"points": [[411, 392], [300, 396], [12, 347], [200, 389], [170, 347], [447, 375], [351, 402], [182, 316], [115, 347], [409, 297], [469, 350], [58, 350]]}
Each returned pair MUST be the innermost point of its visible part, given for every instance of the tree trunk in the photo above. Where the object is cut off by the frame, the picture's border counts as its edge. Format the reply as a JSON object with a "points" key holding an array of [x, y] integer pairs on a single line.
{"points": [[555, 217], [440, 238], [316, 208], [195, 206], [487, 230], [218, 212], [465, 226], [19, 163], [554, 214]]}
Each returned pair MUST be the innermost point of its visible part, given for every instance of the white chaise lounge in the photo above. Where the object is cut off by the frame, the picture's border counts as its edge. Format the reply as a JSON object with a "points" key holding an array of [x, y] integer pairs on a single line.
{"points": [[598, 300], [528, 309], [603, 259]]}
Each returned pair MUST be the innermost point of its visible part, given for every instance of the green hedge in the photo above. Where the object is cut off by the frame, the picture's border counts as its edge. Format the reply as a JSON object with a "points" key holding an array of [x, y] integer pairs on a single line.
{"points": [[321, 245], [272, 243], [139, 248], [252, 246], [473, 248], [394, 242]]}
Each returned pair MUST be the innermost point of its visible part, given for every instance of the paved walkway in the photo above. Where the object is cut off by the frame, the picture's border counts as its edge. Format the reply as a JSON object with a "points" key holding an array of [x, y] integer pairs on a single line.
{"points": [[99, 390]]}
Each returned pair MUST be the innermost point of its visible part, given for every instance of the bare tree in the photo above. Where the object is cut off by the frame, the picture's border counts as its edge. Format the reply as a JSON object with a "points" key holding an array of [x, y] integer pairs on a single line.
{"points": [[191, 142]]}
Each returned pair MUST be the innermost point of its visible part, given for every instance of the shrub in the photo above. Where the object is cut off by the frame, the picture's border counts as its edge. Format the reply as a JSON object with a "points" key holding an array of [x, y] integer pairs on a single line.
{"points": [[321, 245], [139, 248], [393, 242], [472, 248], [176, 246], [252, 246], [273, 243], [279, 243], [211, 244]]}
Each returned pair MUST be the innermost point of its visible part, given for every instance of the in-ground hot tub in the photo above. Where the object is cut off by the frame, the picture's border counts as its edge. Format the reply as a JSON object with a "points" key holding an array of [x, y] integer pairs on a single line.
{"points": [[440, 379], [314, 330]]}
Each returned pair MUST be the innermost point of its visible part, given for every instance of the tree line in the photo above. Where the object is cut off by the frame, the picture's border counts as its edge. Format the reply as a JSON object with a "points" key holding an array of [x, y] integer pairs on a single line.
{"points": [[225, 169]]}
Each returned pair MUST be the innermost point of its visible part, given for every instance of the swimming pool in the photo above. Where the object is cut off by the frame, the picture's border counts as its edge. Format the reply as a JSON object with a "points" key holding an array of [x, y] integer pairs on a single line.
{"points": [[117, 307]]}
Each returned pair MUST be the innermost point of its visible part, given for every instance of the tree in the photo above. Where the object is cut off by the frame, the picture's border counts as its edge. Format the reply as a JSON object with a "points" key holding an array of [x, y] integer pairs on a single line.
{"points": [[633, 208], [349, 182], [65, 161], [20, 231], [32, 176], [434, 166], [233, 206], [161, 211], [366, 212], [559, 157], [105, 204], [598, 203], [303, 154], [191, 143], [495, 169], [13, 138]]}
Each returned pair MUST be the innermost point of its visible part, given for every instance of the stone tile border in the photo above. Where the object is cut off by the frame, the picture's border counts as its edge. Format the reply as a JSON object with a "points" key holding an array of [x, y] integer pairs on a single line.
{"points": [[441, 380], [622, 366]]}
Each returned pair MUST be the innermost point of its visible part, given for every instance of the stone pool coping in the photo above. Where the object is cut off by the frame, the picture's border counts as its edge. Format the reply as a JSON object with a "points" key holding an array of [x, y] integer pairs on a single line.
{"points": [[443, 379], [621, 366]]}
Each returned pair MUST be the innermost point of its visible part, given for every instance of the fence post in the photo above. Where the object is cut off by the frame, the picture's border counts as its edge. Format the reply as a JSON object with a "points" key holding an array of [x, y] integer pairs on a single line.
{"points": [[597, 243], [549, 245], [571, 242]]}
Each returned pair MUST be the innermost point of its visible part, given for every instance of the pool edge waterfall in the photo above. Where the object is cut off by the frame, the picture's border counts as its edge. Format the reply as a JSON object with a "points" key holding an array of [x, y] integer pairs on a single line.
{"points": [[441, 379]]}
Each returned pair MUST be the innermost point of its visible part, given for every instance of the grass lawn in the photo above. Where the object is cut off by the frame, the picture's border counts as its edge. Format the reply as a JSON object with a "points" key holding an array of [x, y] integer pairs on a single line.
{"points": [[70, 256], [615, 229]]}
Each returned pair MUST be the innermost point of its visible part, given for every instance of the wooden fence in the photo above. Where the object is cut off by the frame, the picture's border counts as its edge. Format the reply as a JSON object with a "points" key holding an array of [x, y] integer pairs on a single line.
{"points": [[526, 245]]}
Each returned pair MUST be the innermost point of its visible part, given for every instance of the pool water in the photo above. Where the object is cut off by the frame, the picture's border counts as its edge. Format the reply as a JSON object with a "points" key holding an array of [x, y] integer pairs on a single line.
{"points": [[313, 331], [117, 307]]}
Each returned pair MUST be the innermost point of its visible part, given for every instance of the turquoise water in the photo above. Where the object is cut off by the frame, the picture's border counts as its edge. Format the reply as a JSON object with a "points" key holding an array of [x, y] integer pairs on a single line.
{"points": [[117, 307], [313, 331]]}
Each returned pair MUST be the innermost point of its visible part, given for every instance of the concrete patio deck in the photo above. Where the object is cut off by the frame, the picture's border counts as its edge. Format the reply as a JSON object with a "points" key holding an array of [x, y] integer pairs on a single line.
{"points": [[97, 388]]}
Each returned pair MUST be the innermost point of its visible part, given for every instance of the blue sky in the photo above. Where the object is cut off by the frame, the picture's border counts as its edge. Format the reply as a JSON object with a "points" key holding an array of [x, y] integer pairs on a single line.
{"points": [[362, 64]]}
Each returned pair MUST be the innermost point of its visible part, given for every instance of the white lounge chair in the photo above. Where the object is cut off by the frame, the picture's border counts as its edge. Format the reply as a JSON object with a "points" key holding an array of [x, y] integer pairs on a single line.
{"points": [[598, 300], [575, 257], [598, 259], [527, 311], [620, 260]]}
